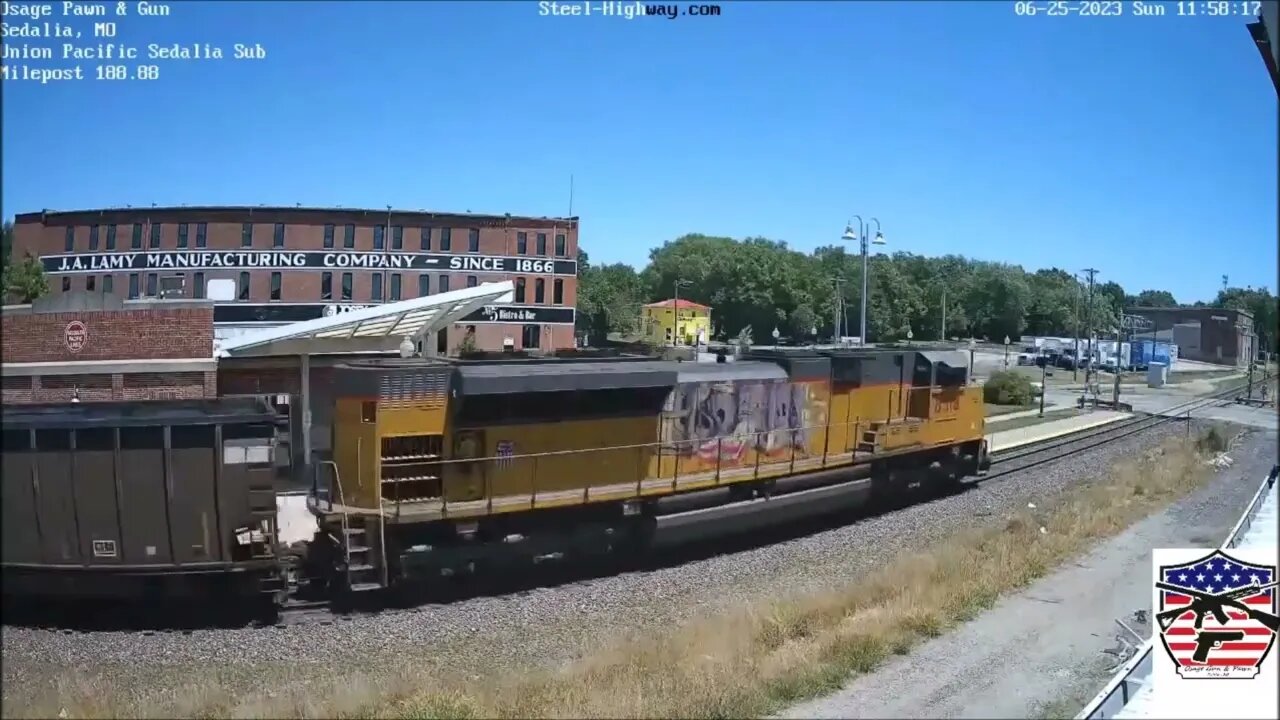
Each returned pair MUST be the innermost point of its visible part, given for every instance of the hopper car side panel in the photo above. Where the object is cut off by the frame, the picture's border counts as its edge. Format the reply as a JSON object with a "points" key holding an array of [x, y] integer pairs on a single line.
{"points": [[130, 499]]}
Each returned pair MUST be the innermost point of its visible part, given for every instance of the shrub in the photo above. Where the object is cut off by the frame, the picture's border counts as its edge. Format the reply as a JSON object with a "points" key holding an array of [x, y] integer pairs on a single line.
{"points": [[1211, 441], [1006, 387]]}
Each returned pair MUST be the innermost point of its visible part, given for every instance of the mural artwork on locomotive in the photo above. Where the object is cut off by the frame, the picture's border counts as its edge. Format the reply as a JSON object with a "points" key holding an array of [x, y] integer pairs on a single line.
{"points": [[743, 419]]}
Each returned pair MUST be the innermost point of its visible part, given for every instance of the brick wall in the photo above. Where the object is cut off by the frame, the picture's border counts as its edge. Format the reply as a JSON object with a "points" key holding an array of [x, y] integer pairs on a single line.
{"points": [[110, 387], [131, 334]]}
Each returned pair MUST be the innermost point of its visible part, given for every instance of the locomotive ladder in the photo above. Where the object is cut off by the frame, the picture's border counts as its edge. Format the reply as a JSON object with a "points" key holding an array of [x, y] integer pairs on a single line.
{"points": [[361, 559], [262, 508]]}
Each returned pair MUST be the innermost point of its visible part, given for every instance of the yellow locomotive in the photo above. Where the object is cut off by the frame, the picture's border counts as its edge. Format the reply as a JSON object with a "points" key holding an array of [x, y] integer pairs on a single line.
{"points": [[440, 466]]}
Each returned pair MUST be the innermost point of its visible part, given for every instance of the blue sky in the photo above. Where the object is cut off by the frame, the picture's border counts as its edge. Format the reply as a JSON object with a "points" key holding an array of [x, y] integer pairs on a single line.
{"points": [[1143, 146]]}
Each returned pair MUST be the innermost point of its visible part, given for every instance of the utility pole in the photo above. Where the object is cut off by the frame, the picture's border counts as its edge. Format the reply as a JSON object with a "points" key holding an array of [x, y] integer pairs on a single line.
{"points": [[1088, 313], [835, 329], [1075, 366], [942, 332]]}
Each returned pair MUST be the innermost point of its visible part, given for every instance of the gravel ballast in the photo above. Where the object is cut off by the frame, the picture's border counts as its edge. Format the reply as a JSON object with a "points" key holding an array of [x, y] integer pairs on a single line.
{"points": [[551, 624]]}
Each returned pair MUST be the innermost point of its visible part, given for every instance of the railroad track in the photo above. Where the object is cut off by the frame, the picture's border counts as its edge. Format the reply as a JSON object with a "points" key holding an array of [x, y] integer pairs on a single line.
{"points": [[319, 612], [1107, 433]]}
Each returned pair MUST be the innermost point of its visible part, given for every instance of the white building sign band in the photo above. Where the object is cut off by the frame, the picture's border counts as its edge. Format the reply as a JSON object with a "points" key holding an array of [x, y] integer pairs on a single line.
{"points": [[239, 313], [310, 260]]}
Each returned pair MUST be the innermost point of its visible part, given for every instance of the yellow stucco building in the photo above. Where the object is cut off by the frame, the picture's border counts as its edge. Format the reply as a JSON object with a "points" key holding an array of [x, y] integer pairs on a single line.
{"points": [[661, 325]]}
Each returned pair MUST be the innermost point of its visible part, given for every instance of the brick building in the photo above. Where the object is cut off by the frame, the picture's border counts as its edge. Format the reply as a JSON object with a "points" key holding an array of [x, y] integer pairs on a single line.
{"points": [[93, 347], [281, 265], [1212, 335]]}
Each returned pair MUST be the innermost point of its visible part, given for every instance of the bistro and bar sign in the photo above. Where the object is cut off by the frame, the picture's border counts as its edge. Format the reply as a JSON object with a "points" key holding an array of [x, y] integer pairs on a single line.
{"points": [[275, 260]]}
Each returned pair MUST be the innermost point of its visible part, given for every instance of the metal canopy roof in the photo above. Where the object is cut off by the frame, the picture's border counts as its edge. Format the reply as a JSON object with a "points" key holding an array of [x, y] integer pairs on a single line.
{"points": [[375, 328]]}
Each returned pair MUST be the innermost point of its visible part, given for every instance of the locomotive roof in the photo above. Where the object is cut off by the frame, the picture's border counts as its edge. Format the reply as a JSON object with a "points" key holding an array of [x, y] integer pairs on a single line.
{"points": [[553, 377], [222, 411]]}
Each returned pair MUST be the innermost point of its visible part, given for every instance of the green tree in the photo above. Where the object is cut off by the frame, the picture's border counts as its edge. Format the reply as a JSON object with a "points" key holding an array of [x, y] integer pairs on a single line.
{"points": [[6, 245], [25, 281], [1260, 303], [609, 299], [1155, 298]]}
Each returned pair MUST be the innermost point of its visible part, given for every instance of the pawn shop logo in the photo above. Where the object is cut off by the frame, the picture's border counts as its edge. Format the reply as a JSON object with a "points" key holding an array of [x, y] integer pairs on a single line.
{"points": [[1217, 616]]}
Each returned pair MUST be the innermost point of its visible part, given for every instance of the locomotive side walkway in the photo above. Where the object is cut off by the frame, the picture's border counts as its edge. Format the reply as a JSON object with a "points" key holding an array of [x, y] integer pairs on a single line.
{"points": [[1002, 440]]}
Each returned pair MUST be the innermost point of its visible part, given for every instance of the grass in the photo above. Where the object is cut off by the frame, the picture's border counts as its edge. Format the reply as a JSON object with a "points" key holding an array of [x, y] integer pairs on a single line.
{"points": [[745, 660], [1028, 421], [994, 410]]}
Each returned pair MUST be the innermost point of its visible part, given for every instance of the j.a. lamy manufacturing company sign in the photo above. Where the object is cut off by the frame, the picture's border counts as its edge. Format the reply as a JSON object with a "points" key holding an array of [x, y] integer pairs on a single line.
{"points": [[310, 260]]}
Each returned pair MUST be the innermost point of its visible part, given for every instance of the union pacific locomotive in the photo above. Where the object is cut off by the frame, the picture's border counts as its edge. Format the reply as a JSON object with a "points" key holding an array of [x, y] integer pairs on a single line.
{"points": [[445, 467]]}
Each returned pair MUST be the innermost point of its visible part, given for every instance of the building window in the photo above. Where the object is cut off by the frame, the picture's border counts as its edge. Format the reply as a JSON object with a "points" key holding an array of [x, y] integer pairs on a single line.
{"points": [[530, 336], [424, 285], [107, 283], [471, 281], [93, 237], [326, 286], [349, 236], [473, 240], [152, 281], [519, 290], [328, 237], [90, 281], [346, 286], [202, 235], [197, 285], [133, 286], [277, 238], [557, 292], [155, 235], [522, 243], [425, 235], [246, 234], [275, 286], [395, 287], [135, 242], [397, 237], [182, 235], [378, 239], [539, 291], [375, 292], [243, 293], [560, 245], [444, 283], [542, 243], [66, 284], [70, 243], [111, 237], [446, 238]]}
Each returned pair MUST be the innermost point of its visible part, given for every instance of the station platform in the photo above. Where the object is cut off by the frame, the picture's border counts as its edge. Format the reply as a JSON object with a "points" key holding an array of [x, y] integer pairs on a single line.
{"points": [[1003, 440]]}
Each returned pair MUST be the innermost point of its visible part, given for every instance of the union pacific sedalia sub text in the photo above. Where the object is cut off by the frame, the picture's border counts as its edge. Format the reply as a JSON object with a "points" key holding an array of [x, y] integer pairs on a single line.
{"points": [[118, 51]]}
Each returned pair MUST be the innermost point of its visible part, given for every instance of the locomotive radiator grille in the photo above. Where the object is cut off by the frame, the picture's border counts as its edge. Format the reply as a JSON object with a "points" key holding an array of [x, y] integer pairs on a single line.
{"points": [[413, 390]]}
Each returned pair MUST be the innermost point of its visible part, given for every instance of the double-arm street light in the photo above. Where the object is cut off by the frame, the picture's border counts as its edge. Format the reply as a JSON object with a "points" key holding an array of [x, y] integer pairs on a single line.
{"points": [[679, 283], [861, 237]]}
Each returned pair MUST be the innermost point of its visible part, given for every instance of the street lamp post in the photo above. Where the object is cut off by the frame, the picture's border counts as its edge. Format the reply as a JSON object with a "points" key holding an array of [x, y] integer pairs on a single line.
{"points": [[861, 237], [675, 339]]}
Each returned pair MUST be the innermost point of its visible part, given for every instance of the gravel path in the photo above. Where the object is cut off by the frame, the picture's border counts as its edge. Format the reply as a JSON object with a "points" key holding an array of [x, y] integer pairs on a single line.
{"points": [[1048, 644], [550, 624]]}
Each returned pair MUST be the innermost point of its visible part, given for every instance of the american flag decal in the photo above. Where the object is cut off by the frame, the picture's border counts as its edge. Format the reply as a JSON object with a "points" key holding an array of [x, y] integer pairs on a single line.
{"points": [[1217, 616], [506, 449]]}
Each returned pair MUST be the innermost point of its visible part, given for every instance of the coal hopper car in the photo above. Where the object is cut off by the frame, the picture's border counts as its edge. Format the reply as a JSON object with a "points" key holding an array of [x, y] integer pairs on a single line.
{"points": [[128, 500]]}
